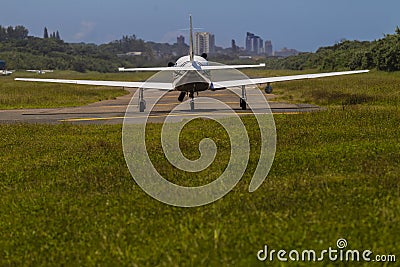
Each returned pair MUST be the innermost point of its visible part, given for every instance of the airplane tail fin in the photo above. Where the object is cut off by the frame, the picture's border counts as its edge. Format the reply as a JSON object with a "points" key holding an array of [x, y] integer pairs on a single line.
{"points": [[191, 50]]}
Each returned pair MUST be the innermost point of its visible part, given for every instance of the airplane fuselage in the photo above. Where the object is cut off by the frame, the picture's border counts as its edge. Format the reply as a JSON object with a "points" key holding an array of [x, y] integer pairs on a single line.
{"points": [[192, 80]]}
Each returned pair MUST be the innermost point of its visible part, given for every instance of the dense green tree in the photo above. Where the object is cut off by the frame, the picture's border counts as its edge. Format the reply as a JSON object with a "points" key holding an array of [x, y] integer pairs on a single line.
{"points": [[11, 33], [383, 54]]}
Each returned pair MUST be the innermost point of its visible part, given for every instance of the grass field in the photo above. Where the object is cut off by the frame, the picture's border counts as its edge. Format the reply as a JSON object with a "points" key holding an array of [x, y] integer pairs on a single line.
{"points": [[17, 95], [67, 197]]}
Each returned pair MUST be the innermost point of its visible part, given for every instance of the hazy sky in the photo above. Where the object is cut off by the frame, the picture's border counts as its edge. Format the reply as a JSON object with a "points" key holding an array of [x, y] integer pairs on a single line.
{"points": [[301, 24]]}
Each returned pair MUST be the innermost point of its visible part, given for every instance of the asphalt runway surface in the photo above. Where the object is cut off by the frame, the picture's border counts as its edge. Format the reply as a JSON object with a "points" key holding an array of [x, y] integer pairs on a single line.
{"points": [[113, 111]]}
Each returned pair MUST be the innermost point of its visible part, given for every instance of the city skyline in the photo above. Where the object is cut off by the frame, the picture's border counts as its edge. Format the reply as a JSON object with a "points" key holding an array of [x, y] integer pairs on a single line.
{"points": [[204, 42], [305, 26]]}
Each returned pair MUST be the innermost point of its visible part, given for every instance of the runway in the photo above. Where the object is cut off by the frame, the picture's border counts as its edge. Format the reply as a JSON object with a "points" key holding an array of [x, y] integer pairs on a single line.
{"points": [[113, 111]]}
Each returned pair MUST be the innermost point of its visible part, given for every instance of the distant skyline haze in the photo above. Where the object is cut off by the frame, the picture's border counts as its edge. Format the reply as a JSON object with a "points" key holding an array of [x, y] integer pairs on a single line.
{"points": [[303, 25]]}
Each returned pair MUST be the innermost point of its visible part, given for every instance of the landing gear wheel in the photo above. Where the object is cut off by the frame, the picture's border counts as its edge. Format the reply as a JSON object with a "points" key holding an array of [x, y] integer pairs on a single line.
{"points": [[191, 96], [192, 105], [142, 106], [268, 89], [243, 104]]}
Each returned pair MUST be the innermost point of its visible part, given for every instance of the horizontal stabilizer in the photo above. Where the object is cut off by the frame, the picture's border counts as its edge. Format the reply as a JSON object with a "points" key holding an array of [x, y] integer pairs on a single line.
{"points": [[193, 67]]}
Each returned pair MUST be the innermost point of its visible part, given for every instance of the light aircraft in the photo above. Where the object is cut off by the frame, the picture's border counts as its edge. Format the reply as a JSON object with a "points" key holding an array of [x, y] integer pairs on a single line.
{"points": [[6, 72], [192, 74], [3, 70], [40, 71]]}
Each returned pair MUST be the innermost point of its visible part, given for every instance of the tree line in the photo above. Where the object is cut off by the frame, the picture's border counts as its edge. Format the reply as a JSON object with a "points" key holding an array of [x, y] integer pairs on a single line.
{"points": [[54, 35], [22, 51], [382, 54], [13, 33]]}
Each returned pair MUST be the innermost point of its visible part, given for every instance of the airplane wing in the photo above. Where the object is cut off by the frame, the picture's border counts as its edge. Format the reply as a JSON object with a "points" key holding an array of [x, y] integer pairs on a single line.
{"points": [[188, 68], [234, 83], [145, 85]]}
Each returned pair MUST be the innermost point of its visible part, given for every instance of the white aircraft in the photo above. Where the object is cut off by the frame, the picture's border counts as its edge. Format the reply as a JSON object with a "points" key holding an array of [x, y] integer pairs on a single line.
{"points": [[192, 74], [40, 71], [6, 72]]}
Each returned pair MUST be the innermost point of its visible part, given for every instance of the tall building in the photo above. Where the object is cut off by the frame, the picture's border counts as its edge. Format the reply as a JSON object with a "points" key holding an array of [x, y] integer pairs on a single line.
{"points": [[254, 44], [204, 42], [249, 41], [180, 40], [268, 48], [258, 45], [234, 47]]}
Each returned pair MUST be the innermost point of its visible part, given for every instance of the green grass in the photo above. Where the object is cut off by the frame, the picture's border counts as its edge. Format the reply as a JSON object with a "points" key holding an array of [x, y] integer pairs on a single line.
{"points": [[374, 88], [17, 95], [67, 197]]}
